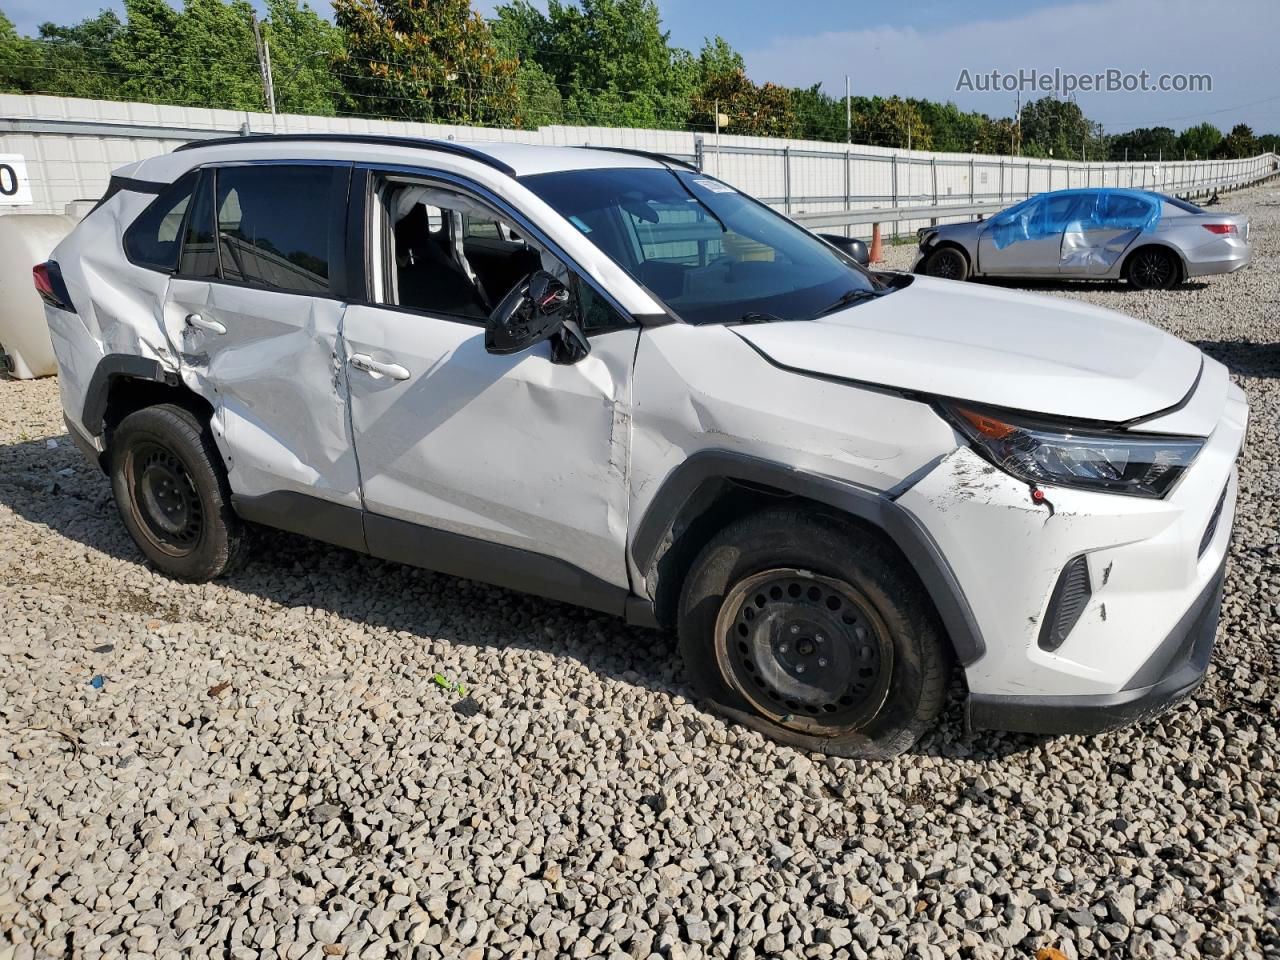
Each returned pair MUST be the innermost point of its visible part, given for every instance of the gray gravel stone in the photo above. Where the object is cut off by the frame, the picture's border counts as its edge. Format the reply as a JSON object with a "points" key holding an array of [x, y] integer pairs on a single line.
{"points": [[328, 794]]}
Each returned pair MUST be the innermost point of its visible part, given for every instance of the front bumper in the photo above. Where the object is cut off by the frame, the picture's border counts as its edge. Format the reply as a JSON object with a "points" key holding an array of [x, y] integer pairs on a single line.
{"points": [[1169, 675], [1153, 568]]}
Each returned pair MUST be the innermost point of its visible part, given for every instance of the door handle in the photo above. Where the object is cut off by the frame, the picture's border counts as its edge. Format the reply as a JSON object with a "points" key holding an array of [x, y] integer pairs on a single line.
{"points": [[213, 326], [376, 368]]}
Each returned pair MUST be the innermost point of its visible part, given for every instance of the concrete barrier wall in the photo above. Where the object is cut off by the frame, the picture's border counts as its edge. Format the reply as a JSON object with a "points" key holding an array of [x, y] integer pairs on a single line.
{"points": [[71, 147]]}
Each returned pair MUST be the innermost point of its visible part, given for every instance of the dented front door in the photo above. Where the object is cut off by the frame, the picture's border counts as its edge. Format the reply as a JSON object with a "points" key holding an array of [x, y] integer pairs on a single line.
{"points": [[513, 450]]}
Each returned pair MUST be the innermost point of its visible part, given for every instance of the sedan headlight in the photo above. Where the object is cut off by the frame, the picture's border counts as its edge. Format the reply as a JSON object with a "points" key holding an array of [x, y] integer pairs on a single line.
{"points": [[1041, 451]]}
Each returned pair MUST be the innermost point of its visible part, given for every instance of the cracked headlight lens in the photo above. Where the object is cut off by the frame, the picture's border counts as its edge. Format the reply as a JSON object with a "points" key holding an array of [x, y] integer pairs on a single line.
{"points": [[1142, 465]]}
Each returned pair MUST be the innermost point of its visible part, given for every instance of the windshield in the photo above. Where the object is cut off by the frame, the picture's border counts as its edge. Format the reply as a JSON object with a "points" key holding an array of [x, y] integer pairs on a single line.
{"points": [[710, 253]]}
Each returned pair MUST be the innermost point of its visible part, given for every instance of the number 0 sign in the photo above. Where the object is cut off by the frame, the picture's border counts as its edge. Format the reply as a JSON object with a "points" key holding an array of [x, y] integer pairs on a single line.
{"points": [[15, 188]]}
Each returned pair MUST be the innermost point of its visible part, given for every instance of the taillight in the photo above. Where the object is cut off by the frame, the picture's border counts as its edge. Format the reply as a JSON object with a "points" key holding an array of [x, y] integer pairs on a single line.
{"points": [[50, 285], [1222, 228]]}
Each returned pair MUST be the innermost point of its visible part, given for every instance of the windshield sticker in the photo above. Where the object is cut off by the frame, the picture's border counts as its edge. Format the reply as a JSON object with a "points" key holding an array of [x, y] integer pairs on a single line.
{"points": [[579, 224], [715, 186]]}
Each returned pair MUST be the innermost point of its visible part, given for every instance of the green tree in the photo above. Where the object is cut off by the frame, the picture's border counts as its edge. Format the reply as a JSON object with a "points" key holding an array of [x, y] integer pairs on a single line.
{"points": [[79, 60], [1145, 143], [894, 122], [305, 50], [1199, 142], [425, 60], [1239, 143], [1059, 128], [722, 86], [611, 61], [20, 60], [202, 56]]}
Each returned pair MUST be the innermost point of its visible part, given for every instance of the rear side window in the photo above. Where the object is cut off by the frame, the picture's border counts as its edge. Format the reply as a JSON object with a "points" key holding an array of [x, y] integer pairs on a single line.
{"points": [[152, 239], [267, 226]]}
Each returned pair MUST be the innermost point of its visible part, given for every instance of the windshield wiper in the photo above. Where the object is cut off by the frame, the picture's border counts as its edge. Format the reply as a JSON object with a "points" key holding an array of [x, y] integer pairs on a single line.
{"points": [[848, 298], [757, 317]]}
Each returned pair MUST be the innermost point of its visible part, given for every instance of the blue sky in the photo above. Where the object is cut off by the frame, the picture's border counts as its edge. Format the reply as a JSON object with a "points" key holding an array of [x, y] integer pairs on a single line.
{"points": [[920, 48]]}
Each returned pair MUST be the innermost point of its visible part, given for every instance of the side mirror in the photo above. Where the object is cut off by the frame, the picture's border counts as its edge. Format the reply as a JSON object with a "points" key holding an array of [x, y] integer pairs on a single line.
{"points": [[848, 246], [532, 312]]}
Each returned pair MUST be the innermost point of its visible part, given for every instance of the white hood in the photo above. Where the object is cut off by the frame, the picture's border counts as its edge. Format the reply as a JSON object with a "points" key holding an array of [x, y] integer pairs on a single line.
{"points": [[992, 346]]}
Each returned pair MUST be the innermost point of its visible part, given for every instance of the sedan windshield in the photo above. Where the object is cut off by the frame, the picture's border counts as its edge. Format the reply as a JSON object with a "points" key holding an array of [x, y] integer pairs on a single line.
{"points": [[710, 253]]}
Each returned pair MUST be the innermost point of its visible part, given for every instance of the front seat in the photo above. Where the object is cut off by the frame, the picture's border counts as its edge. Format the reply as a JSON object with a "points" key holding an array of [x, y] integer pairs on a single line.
{"points": [[428, 277]]}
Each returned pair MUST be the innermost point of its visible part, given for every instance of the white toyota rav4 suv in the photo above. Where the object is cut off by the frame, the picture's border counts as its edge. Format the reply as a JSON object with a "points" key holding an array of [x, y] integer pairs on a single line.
{"points": [[606, 378]]}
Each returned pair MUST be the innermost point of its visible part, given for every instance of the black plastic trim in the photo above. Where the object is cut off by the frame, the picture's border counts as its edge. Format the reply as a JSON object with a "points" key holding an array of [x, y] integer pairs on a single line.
{"points": [[454, 554], [416, 143], [1053, 629], [495, 563], [302, 513], [899, 524], [110, 367], [1169, 675]]}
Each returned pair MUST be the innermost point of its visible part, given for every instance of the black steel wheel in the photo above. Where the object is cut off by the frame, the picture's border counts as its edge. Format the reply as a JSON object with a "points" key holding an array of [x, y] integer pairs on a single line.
{"points": [[947, 263], [810, 627], [172, 493], [807, 650], [1153, 268], [164, 498]]}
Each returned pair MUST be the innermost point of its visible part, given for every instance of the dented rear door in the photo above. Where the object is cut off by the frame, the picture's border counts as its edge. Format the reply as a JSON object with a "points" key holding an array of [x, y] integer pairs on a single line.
{"points": [[256, 319], [514, 450]]}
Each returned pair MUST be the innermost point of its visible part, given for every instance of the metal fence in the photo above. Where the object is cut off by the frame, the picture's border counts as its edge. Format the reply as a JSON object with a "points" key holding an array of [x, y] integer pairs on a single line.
{"points": [[71, 147]]}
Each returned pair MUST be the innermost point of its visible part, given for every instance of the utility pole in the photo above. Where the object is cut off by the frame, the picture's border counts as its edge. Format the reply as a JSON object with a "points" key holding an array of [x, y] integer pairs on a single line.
{"points": [[264, 66], [1015, 135], [848, 111]]}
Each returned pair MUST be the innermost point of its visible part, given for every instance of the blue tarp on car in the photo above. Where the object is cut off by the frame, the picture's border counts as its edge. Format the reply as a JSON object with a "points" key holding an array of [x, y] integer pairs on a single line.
{"points": [[1077, 213]]}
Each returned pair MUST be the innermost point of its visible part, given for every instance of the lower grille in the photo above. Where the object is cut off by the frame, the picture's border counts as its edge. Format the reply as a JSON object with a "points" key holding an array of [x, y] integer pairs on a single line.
{"points": [[1070, 596]]}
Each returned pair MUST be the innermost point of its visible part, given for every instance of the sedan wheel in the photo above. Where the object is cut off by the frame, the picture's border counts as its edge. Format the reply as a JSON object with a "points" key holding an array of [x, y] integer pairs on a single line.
{"points": [[1153, 269], [948, 263]]}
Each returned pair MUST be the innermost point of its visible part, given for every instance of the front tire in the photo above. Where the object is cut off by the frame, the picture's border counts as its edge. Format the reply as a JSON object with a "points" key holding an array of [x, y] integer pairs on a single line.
{"points": [[946, 263], [810, 629], [172, 493], [1152, 268]]}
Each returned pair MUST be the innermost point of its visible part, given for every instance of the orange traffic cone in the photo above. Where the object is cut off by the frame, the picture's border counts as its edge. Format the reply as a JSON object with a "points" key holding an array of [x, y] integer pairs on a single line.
{"points": [[876, 254]]}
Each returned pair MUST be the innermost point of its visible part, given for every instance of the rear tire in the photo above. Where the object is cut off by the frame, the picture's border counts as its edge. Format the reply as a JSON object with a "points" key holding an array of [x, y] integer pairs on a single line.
{"points": [[946, 263], [172, 493], [810, 629], [1152, 268]]}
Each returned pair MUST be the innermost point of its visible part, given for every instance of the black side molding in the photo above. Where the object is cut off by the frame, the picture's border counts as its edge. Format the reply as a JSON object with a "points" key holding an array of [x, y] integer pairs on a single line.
{"points": [[501, 565], [899, 524], [443, 551], [301, 513]]}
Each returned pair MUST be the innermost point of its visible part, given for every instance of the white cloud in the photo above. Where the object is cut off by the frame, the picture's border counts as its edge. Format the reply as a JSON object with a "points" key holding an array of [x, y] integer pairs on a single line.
{"points": [[1161, 36]]}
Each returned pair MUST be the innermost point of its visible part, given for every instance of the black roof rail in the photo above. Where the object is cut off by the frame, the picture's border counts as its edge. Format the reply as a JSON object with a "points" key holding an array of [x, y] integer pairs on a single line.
{"points": [[420, 143], [648, 155]]}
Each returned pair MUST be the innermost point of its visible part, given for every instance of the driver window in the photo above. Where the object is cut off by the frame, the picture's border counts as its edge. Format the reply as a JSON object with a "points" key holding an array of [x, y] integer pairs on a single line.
{"points": [[450, 255]]}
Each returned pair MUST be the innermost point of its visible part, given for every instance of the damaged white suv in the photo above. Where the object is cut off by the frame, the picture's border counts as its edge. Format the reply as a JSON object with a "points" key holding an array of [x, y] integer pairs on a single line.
{"points": [[604, 377]]}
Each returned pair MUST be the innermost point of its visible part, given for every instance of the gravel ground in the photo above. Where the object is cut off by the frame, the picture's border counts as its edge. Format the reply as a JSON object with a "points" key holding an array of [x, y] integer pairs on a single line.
{"points": [[265, 765]]}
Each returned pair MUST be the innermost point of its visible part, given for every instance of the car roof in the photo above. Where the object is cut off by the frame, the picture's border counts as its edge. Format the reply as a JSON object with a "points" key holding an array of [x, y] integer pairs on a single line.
{"points": [[514, 159]]}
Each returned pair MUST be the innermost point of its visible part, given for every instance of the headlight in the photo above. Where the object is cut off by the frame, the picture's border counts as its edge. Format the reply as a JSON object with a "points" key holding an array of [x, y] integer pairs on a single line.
{"points": [[1045, 452]]}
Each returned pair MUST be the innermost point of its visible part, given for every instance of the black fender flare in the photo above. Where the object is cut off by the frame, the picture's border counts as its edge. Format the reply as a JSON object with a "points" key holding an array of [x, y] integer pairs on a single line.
{"points": [[114, 366], [872, 506]]}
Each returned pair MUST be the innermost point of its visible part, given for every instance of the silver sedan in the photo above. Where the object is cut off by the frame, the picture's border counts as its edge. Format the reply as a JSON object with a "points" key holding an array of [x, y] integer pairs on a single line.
{"points": [[1152, 240]]}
